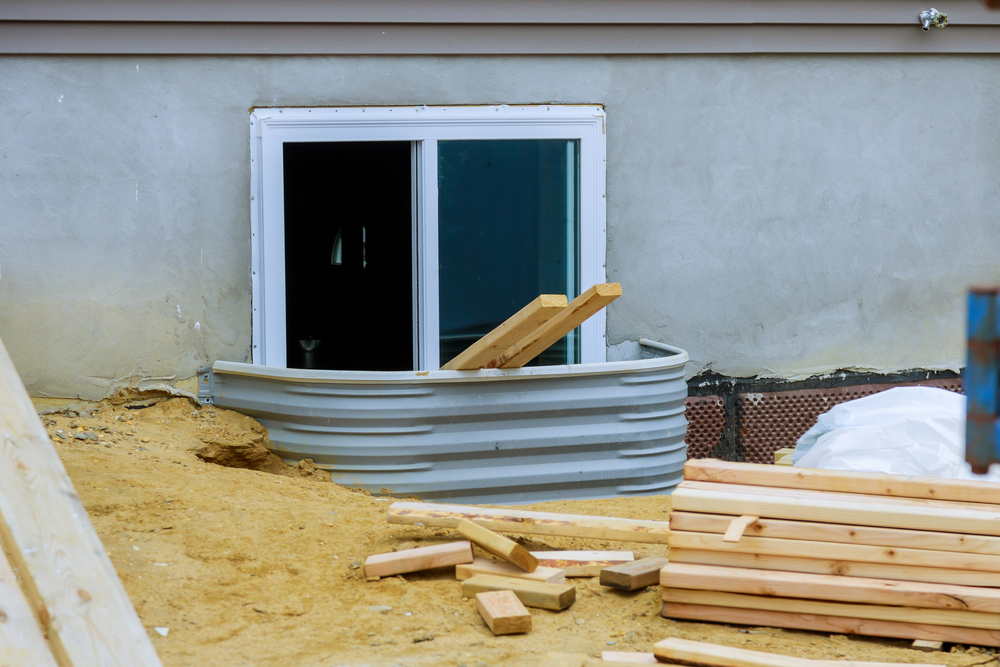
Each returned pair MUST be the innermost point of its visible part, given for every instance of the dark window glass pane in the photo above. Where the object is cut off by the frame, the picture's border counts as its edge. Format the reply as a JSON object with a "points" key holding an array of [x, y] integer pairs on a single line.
{"points": [[508, 229], [348, 255]]}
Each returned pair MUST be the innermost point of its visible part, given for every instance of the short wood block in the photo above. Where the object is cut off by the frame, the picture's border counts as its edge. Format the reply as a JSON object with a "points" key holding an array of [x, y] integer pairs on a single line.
{"points": [[498, 545], [421, 558], [503, 612], [635, 575], [531, 593], [504, 569]]}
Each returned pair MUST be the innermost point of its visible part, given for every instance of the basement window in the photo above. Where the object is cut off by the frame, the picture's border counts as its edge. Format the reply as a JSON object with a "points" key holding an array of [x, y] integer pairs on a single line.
{"points": [[393, 238]]}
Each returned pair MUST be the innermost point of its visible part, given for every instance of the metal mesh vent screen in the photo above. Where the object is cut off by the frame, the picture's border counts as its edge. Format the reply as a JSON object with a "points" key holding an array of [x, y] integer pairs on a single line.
{"points": [[704, 415]]}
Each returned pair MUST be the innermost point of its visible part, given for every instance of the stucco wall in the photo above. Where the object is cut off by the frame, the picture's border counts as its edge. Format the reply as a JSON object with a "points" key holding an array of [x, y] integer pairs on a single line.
{"points": [[777, 215]]}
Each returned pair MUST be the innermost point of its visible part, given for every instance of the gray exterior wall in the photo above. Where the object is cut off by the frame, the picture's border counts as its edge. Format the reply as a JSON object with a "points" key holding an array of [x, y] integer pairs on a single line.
{"points": [[772, 214]]}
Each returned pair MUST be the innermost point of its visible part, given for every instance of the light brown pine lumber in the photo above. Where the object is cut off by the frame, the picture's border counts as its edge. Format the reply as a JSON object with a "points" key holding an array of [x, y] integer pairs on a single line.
{"points": [[421, 558], [859, 590], [630, 658], [21, 641], [543, 337], [737, 527], [503, 612], [516, 327], [550, 575], [531, 593], [532, 523], [582, 563], [844, 508], [67, 575], [725, 472], [831, 624], [947, 617], [498, 545], [556, 659], [833, 532], [861, 553], [715, 655], [633, 576], [845, 568]]}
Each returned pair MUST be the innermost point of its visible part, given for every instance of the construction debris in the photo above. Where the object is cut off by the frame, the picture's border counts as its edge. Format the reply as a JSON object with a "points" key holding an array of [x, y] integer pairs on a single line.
{"points": [[531, 593], [498, 545], [713, 655], [532, 523], [583, 563], [421, 558], [551, 575], [633, 576], [503, 612]]}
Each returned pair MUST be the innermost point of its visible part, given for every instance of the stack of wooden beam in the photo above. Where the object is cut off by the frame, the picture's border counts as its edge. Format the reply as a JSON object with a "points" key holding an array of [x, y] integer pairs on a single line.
{"points": [[842, 552]]}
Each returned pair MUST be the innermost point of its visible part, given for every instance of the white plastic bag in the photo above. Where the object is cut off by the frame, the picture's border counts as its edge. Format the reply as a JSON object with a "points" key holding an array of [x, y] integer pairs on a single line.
{"points": [[903, 431]]}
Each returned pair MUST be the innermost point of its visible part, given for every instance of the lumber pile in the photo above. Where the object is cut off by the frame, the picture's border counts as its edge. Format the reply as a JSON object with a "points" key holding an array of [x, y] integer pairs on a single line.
{"points": [[504, 586], [830, 551]]}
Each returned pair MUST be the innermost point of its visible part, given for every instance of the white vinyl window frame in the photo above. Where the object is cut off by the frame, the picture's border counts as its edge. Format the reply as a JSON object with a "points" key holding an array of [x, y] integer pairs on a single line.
{"points": [[423, 126]]}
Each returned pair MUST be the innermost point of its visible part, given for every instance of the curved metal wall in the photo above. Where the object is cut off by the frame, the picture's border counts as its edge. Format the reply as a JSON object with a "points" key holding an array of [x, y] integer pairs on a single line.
{"points": [[534, 434]]}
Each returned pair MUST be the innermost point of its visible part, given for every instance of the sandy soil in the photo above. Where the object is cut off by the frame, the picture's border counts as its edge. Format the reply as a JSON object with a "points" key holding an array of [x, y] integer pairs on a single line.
{"points": [[254, 568]]}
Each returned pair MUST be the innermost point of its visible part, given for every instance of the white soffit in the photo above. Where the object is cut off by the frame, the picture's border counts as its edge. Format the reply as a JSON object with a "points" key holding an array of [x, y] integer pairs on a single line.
{"points": [[486, 27]]}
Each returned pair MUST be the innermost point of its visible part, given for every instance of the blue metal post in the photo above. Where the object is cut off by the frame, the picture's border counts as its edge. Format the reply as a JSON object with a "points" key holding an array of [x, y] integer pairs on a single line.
{"points": [[982, 379]]}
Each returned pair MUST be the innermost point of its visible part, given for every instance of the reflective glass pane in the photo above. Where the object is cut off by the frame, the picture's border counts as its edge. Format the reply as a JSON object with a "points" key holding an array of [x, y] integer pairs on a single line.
{"points": [[508, 230]]}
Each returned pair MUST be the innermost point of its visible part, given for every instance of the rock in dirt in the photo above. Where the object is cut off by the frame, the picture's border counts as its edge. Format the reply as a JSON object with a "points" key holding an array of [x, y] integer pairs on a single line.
{"points": [[85, 435], [423, 637], [380, 609]]}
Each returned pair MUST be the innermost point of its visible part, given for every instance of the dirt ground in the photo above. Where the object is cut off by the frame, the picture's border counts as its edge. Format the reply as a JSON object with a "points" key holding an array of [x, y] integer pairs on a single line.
{"points": [[253, 568]]}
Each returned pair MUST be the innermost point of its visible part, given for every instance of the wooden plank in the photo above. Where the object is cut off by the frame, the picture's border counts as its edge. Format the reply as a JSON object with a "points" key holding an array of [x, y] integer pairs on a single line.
{"points": [[633, 576], [503, 612], [490, 566], [844, 508], [831, 624], [948, 617], [21, 641], [737, 527], [848, 534], [539, 340], [926, 645], [782, 453], [830, 587], [703, 653], [786, 460], [516, 327], [421, 558], [935, 575], [725, 472], [531, 593], [582, 563], [631, 658], [498, 545], [532, 523], [860, 553], [67, 575]]}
